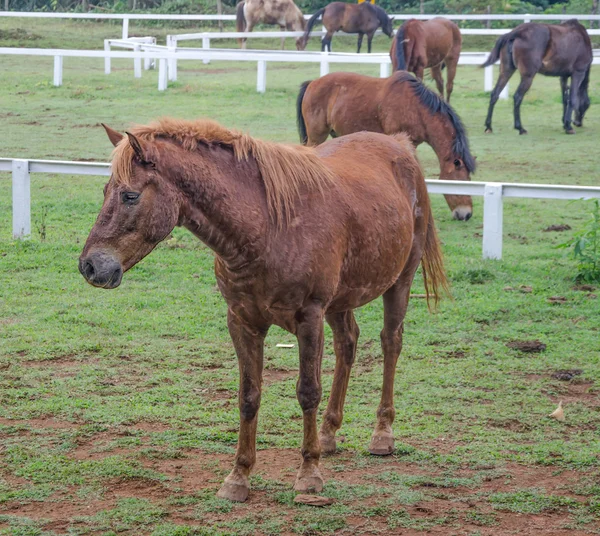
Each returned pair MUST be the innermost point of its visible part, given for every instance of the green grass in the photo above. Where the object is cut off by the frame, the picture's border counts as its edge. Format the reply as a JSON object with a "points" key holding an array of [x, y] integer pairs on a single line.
{"points": [[118, 409]]}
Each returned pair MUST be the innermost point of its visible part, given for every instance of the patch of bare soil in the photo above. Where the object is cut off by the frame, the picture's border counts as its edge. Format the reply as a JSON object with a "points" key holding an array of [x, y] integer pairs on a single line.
{"points": [[274, 375], [49, 422], [557, 228], [527, 346]]}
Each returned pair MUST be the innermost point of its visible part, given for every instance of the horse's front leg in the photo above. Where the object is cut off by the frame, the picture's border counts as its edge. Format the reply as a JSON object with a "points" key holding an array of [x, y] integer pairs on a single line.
{"points": [[309, 330], [360, 38], [248, 341], [370, 41]]}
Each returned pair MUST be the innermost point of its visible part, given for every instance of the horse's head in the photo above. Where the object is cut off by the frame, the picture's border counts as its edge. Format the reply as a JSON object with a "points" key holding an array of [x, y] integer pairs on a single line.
{"points": [[388, 27], [301, 42], [460, 205], [140, 209]]}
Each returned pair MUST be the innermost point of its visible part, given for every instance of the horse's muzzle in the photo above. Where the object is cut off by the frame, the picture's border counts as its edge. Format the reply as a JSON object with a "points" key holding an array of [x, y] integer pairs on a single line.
{"points": [[101, 270], [462, 213]]}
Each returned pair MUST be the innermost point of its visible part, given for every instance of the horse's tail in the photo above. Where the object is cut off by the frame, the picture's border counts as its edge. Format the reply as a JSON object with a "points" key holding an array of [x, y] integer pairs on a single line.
{"points": [[432, 264], [311, 22], [495, 53], [583, 88], [299, 117], [400, 58], [240, 20]]}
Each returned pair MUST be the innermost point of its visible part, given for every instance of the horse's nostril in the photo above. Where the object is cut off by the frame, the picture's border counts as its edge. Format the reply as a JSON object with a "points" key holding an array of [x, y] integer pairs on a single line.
{"points": [[88, 270], [468, 216]]}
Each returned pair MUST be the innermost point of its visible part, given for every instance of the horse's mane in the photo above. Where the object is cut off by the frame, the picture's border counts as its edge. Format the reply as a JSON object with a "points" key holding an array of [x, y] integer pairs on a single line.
{"points": [[436, 104], [285, 169], [381, 14]]}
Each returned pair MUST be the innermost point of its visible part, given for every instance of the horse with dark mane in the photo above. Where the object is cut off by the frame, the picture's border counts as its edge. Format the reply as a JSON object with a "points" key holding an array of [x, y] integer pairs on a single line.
{"points": [[363, 19], [284, 13], [434, 44], [300, 236], [342, 103], [562, 50]]}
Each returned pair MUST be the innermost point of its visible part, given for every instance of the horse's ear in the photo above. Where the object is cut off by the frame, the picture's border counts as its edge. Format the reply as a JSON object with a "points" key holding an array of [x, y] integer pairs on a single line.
{"points": [[138, 147], [392, 19], [113, 135]]}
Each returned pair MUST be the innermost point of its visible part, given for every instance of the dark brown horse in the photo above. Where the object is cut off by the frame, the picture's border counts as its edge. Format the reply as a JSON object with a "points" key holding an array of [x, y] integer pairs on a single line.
{"points": [[300, 235], [363, 19], [284, 13], [562, 50], [341, 103], [434, 43]]}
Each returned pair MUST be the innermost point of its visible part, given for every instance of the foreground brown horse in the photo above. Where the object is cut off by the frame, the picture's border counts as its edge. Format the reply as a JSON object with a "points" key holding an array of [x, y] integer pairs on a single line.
{"points": [[363, 19], [434, 43], [341, 103], [561, 50], [300, 236], [284, 13]]}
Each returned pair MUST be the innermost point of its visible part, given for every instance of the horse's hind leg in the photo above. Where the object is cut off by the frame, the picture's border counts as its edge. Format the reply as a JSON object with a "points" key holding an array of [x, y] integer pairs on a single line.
{"points": [[370, 40], [573, 102], [436, 74], [345, 336], [524, 85], [451, 64], [395, 303], [505, 74], [564, 89], [360, 38]]}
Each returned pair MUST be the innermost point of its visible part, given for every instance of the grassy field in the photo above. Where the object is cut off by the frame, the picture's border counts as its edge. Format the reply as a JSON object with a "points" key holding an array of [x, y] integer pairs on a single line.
{"points": [[118, 410]]}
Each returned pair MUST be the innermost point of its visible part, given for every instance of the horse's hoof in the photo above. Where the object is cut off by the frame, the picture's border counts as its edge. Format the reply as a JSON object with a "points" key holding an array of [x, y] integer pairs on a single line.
{"points": [[328, 444], [522, 131], [489, 130], [236, 491], [382, 444], [570, 131], [578, 123], [309, 481]]}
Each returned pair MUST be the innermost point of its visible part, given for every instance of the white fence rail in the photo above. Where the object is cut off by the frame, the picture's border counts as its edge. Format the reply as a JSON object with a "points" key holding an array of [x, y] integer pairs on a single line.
{"points": [[493, 194], [126, 17]]}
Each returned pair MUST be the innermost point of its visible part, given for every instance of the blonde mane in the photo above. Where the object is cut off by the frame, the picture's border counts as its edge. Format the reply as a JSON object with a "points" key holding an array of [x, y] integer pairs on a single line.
{"points": [[285, 169]]}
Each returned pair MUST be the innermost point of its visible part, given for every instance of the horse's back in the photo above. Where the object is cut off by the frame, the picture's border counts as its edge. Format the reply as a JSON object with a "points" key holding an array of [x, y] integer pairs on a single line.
{"points": [[442, 37], [570, 46]]}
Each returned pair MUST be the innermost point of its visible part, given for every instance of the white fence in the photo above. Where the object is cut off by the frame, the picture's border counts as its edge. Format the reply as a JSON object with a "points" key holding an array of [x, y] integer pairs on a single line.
{"points": [[126, 17], [493, 194]]}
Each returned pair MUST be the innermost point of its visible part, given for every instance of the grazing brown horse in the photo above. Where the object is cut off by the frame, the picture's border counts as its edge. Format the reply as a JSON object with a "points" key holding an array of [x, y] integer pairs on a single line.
{"points": [[562, 50], [363, 19], [284, 13], [301, 235], [341, 103], [432, 43]]}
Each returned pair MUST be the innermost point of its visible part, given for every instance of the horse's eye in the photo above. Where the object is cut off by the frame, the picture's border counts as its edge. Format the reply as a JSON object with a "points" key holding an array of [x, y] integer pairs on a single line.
{"points": [[457, 163], [130, 198]]}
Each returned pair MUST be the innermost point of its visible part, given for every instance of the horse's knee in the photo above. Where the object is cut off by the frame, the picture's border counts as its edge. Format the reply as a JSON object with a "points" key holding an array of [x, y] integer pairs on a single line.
{"points": [[309, 394], [249, 400]]}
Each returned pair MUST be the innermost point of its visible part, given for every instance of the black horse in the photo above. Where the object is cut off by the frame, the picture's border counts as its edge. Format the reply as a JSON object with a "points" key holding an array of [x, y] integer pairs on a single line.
{"points": [[561, 50]]}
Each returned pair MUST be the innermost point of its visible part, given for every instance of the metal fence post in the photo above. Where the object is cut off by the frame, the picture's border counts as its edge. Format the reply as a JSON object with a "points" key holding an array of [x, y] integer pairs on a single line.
{"points": [[21, 199], [58, 70], [492, 221], [107, 57], [384, 70], [162, 74], [137, 63], [206, 46], [261, 76]]}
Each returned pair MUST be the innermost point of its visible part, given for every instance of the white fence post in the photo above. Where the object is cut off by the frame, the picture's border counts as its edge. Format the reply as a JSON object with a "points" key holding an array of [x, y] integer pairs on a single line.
{"points": [[261, 76], [162, 74], [172, 62], [504, 92], [58, 70], [21, 199], [137, 63], [125, 34], [488, 78], [492, 221], [206, 46], [107, 57], [384, 70], [324, 65], [527, 17]]}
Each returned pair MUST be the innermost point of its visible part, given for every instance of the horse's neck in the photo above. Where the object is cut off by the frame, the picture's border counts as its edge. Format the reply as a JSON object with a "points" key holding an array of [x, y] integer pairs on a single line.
{"points": [[440, 134], [224, 203]]}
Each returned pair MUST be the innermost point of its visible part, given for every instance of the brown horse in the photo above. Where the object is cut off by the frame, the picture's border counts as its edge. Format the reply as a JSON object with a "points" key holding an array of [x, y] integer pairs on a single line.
{"points": [[300, 235], [561, 50], [341, 103], [363, 19], [432, 43], [284, 13]]}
